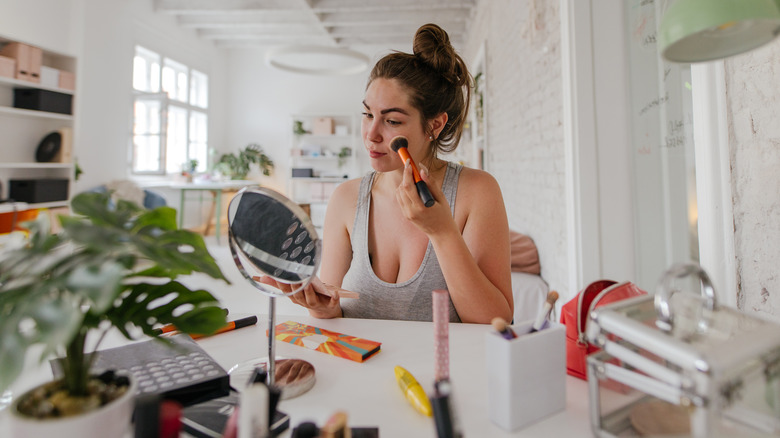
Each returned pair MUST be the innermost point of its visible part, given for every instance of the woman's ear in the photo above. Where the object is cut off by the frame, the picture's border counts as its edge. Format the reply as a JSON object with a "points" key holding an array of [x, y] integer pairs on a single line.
{"points": [[437, 123]]}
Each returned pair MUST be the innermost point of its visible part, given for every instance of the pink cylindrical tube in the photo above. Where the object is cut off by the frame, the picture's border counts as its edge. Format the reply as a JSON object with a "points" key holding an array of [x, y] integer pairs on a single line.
{"points": [[441, 341]]}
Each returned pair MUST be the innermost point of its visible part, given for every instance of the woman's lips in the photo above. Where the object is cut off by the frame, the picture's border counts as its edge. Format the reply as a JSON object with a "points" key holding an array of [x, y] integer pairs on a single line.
{"points": [[374, 154]]}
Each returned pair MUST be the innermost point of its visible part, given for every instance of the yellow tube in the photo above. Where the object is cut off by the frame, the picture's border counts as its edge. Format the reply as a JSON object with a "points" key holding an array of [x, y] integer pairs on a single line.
{"points": [[413, 391]]}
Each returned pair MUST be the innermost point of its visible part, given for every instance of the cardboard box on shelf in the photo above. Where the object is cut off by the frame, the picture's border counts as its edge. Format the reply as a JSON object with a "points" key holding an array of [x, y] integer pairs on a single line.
{"points": [[65, 154], [67, 80], [322, 126], [7, 67], [28, 60]]}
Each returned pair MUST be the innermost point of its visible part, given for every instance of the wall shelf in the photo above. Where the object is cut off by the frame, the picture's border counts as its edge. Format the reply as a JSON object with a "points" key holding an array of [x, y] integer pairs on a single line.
{"points": [[19, 112], [17, 83], [23, 130], [36, 165], [319, 152]]}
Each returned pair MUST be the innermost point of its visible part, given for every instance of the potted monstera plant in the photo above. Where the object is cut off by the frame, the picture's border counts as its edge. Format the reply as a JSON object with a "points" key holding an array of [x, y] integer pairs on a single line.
{"points": [[238, 166], [113, 265]]}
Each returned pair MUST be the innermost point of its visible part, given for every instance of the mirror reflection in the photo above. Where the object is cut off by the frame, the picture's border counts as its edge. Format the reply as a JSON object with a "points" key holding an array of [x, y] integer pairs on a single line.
{"points": [[275, 236]]}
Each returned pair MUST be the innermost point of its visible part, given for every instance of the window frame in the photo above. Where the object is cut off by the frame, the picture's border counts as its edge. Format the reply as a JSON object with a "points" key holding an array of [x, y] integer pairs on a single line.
{"points": [[154, 92]]}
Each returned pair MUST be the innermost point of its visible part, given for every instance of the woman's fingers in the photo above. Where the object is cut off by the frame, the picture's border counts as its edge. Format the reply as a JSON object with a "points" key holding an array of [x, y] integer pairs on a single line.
{"points": [[434, 188], [406, 192]]}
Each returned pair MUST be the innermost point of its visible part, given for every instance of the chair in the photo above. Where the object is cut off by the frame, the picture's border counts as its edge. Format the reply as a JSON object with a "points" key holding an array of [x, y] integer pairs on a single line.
{"points": [[529, 289], [128, 190]]}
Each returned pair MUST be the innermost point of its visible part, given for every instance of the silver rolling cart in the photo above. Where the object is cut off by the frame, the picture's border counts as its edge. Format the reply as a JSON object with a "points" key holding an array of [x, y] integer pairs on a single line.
{"points": [[678, 364]]}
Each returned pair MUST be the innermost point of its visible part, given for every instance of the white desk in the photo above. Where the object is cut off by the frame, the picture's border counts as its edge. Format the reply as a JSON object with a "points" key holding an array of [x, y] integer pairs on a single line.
{"points": [[368, 391], [216, 188]]}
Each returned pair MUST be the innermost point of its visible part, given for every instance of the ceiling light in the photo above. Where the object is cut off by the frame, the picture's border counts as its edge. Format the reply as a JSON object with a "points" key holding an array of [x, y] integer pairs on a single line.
{"points": [[317, 60], [704, 30]]}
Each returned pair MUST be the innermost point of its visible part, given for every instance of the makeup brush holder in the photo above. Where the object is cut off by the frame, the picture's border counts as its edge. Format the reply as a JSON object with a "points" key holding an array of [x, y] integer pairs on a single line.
{"points": [[526, 375]]}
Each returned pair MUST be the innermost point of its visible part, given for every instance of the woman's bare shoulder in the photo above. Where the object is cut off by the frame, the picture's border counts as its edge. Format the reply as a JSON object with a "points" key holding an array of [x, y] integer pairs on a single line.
{"points": [[343, 201], [346, 191], [476, 183]]}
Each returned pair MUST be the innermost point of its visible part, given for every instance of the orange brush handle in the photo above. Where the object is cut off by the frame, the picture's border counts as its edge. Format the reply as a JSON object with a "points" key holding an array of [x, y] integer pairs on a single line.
{"points": [[406, 157]]}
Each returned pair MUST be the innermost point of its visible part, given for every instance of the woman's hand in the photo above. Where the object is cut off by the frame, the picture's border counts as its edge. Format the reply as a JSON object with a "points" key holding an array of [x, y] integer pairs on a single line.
{"points": [[430, 220], [320, 302]]}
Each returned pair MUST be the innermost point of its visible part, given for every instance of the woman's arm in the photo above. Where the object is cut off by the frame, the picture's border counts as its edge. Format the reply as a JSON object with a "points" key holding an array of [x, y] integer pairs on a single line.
{"points": [[336, 239], [336, 252], [475, 260]]}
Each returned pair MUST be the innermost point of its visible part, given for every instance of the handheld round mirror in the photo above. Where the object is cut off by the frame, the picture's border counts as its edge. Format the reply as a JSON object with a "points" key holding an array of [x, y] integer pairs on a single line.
{"points": [[271, 237]]}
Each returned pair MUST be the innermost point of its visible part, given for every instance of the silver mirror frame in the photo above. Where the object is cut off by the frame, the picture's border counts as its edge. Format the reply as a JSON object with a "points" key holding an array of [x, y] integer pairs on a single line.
{"points": [[237, 251]]}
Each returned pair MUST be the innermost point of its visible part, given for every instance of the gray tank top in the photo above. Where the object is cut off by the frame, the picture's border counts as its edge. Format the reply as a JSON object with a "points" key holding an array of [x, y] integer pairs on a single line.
{"points": [[410, 300]]}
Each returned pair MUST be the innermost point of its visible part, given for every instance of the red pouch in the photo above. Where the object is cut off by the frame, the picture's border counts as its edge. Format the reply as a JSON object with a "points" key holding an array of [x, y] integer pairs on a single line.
{"points": [[574, 315]]}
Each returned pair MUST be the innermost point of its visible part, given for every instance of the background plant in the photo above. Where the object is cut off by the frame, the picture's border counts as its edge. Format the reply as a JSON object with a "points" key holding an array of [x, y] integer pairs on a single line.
{"points": [[238, 166], [344, 152], [115, 265]]}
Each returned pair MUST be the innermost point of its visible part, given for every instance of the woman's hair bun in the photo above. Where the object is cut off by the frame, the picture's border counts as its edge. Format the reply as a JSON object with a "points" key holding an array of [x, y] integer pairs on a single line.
{"points": [[432, 46]]}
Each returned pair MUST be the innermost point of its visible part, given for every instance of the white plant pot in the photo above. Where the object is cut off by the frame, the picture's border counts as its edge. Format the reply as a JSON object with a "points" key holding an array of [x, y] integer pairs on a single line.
{"points": [[111, 420]]}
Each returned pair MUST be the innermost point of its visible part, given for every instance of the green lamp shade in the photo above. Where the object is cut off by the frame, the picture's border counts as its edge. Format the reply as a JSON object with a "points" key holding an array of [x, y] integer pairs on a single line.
{"points": [[704, 30]]}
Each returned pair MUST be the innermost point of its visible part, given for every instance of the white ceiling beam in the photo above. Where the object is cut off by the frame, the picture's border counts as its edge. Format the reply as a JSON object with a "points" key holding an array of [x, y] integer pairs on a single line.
{"points": [[322, 6], [226, 6], [292, 32], [330, 22], [403, 17], [243, 20], [271, 42]]}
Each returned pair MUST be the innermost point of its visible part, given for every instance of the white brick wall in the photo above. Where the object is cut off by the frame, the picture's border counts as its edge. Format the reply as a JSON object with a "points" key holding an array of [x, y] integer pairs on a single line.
{"points": [[524, 107], [753, 89], [525, 127]]}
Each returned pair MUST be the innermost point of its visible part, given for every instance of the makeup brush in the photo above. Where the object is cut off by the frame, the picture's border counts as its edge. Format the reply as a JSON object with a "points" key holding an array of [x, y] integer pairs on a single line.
{"points": [[400, 145], [545, 313], [503, 328]]}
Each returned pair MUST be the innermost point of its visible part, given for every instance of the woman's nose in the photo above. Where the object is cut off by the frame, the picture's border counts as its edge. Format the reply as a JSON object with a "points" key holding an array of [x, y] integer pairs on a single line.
{"points": [[373, 133]]}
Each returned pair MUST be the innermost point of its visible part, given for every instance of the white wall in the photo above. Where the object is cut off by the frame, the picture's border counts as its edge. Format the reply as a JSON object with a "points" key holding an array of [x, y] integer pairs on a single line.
{"points": [[263, 99], [525, 127], [104, 110], [103, 35], [753, 97], [45, 23]]}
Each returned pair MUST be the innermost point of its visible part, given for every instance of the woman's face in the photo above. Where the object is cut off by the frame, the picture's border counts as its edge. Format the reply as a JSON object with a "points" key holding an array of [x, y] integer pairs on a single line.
{"points": [[387, 113]]}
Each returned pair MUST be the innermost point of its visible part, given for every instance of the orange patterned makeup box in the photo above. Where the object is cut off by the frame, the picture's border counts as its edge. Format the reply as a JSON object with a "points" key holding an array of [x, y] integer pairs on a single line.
{"points": [[326, 341]]}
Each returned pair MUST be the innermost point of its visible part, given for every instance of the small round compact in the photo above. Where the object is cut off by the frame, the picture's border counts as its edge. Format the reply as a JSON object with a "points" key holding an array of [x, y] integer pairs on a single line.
{"points": [[48, 148]]}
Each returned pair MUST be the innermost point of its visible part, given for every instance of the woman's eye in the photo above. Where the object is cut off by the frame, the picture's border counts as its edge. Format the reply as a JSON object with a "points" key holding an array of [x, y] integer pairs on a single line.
{"points": [[368, 115], [393, 123]]}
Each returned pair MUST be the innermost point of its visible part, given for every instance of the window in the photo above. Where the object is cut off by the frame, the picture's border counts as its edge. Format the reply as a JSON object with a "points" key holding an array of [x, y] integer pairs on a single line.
{"points": [[170, 115]]}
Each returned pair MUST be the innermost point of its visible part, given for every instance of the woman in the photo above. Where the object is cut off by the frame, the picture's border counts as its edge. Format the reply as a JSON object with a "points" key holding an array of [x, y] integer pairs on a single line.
{"points": [[379, 239]]}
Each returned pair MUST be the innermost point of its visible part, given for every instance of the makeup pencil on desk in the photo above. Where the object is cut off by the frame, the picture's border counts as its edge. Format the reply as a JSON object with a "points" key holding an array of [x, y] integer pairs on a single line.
{"points": [[168, 328], [441, 340], [232, 325], [503, 328], [545, 313]]}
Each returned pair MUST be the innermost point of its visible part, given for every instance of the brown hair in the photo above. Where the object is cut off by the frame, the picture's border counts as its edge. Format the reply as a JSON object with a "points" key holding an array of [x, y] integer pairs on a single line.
{"points": [[437, 81]]}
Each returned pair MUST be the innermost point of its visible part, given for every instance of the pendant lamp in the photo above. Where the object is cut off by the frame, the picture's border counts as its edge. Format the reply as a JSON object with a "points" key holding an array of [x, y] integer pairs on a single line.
{"points": [[317, 60], [705, 30]]}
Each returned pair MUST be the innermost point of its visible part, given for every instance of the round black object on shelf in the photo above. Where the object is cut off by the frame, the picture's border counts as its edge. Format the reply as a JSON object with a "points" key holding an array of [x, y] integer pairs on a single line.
{"points": [[48, 147]]}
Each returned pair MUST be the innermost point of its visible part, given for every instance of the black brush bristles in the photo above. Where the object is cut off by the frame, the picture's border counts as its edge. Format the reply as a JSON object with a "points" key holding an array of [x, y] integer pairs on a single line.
{"points": [[398, 143]]}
